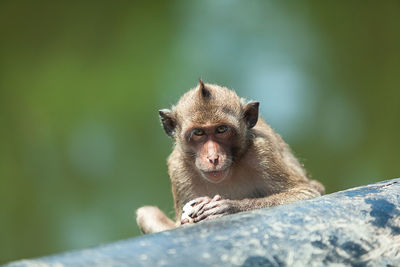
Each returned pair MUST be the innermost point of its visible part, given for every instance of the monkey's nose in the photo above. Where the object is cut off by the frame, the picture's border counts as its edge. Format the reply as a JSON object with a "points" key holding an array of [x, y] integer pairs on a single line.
{"points": [[214, 160]]}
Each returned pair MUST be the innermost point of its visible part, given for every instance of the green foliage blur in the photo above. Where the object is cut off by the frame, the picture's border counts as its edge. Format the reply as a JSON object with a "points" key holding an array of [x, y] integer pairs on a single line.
{"points": [[81, 147]]}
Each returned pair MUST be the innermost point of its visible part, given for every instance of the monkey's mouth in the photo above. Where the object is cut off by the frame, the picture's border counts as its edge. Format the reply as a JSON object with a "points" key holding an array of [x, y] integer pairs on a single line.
{"points": [[215, 176]]}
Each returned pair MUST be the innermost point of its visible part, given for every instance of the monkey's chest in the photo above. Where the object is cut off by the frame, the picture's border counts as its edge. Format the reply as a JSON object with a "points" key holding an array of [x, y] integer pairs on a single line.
{"points": [[235, 190]]}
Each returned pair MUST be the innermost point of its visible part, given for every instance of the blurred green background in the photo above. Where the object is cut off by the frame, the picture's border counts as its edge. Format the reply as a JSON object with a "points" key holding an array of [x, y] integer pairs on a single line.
{"points": [[81, 146]]}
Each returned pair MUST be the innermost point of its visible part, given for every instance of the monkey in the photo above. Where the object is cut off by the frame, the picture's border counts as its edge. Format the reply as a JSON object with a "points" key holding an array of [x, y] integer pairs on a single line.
{"points": [[225, 160]]}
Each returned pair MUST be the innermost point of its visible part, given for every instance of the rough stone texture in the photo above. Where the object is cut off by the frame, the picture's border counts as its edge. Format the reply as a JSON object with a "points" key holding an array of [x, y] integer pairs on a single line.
{"points": [[358, 227]]}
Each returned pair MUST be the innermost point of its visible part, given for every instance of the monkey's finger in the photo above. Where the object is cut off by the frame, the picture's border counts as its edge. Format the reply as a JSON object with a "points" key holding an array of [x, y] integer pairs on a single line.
{"points": [[209, 206], [201, 199], [210, 215], [189, 207], [191, 203], [212, 211], [198, 207]]}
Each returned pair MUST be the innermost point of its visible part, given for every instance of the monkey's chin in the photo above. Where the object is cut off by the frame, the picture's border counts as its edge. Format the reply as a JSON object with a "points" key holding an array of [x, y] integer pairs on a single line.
{"points": [[215, 176]]}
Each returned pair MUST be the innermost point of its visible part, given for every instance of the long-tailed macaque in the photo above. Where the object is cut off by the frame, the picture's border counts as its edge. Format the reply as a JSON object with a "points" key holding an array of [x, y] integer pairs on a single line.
{"points": [[225, 160]]}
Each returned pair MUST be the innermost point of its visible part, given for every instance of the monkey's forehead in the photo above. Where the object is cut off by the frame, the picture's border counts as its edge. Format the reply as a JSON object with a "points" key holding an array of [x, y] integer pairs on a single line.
{"points": [[206, 117], [221, 105]]}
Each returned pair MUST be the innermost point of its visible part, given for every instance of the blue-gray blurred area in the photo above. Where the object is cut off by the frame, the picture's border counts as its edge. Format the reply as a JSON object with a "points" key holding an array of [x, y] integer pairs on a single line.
{"points": [[81, 146]]}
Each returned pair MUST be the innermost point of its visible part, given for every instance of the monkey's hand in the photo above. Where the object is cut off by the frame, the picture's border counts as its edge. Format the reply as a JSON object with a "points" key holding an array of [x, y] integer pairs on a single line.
{"points": [[192, 207], [205, 208]]}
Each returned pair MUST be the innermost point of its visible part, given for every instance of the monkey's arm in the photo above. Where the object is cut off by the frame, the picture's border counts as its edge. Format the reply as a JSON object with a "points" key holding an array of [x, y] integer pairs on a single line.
{"points": [[292, 195], [217, 207], [151, 220]]}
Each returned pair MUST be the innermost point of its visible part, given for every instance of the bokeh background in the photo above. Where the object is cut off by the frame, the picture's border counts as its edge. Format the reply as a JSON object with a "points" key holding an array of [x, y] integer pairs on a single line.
{"points": [[81, 145]]}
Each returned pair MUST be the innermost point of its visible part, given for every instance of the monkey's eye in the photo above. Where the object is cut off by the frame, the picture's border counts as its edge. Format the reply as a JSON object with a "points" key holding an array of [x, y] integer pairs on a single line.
{"points": [[222, 129], [198, 132]]}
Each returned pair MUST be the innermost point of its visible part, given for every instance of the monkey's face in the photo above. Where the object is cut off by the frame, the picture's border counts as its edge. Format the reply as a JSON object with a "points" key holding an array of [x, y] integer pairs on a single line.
{"points": [[210, 124], [212, 147]]}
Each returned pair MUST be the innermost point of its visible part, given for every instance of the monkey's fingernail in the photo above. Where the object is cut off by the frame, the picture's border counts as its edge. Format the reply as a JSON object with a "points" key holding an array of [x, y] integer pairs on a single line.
{"points": [[191, 203], [217, 197]]}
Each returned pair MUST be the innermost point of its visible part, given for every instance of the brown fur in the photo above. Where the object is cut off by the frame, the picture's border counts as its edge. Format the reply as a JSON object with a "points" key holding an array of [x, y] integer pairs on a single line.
{"points": [[263, 171]]}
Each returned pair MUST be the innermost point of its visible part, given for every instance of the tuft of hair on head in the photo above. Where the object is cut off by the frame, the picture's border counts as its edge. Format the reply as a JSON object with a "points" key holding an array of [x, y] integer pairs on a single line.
{"points": [[205, 93]]}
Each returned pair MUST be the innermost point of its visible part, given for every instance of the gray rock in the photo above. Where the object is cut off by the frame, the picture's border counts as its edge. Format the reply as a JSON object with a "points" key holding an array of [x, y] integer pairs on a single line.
{"points": [[357, 227]]}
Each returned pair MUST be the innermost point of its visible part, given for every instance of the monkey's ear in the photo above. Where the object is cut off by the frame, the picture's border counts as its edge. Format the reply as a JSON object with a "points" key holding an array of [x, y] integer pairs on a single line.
{"points": [[205, 93], [250, 114], [168, 121]]}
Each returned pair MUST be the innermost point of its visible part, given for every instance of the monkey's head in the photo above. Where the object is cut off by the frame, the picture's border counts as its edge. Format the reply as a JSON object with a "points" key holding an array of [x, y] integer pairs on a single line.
{"points": [[211, 126]]}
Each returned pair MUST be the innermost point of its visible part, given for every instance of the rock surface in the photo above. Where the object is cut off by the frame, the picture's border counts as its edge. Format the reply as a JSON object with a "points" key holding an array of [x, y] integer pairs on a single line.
{"points": [[358, 227]]}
